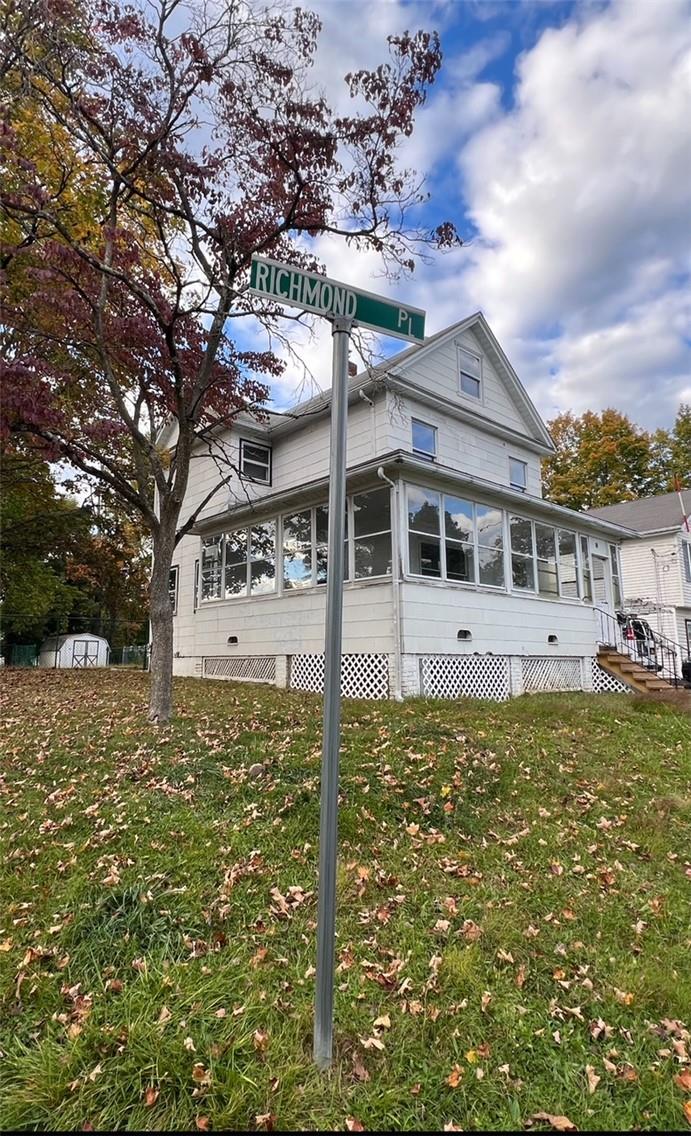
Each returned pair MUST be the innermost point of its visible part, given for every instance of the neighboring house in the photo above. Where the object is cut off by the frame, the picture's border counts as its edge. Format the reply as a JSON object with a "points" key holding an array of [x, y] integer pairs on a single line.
{"points": [[656, 562], [461, 579]]}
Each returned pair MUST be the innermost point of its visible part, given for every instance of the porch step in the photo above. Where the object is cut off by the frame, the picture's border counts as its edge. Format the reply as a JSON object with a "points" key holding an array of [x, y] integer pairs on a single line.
{"points": [[633, 674]]}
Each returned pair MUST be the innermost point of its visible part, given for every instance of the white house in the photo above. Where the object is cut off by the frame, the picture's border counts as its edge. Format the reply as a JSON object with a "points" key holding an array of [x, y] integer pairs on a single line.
{"points": [[656, 562], [461, 579], [81, 649]]}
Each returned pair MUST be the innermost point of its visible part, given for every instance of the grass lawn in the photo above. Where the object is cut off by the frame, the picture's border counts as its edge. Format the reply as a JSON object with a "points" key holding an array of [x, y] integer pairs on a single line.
{"points": [[513, 928]]}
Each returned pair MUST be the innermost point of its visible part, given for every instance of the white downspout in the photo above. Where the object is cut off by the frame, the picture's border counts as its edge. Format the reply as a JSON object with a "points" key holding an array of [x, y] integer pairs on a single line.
{"points": [[396, 568]]}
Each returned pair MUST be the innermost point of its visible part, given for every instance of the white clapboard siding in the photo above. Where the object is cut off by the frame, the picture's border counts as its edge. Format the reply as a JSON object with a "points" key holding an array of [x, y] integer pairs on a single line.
{"points": [[288, 624], [642, 580], [501, 623], [438, 373], [685, 582], [462, 446]]}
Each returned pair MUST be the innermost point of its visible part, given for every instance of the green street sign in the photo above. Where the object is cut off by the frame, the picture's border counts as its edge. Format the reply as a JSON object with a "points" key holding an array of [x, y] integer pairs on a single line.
{"points": [[330, 298]]}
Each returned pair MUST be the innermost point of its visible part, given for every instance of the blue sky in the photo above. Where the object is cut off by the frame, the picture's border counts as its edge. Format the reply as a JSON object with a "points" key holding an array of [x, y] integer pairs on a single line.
{"points": [[557, 139]]}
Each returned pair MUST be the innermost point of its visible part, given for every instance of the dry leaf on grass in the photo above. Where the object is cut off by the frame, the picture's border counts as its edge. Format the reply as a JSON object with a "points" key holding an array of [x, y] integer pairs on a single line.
{"points": [[558, 1123]]}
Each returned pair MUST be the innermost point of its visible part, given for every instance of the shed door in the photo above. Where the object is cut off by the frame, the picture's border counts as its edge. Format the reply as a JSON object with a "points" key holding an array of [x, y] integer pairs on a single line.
{"points": [[85, 653]]}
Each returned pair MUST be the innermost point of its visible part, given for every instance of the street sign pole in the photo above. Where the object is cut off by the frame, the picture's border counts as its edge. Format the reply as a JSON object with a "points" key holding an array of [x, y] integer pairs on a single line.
{"points": [[328, 824], [345, 307]]}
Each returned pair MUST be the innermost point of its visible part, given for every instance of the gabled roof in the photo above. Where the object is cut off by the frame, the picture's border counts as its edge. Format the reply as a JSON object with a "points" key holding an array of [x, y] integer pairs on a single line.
{"points": [[650, 514], [396, 365], [478, 324]]}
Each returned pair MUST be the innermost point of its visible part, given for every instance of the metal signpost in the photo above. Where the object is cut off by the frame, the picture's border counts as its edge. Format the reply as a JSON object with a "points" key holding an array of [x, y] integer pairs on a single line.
{"points": [[344, 307]]}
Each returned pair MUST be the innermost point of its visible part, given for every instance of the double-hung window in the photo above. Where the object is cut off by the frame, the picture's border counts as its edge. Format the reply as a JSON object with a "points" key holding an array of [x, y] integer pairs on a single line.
{"points": [[255, 461], [470, 368], [518, 474], [424, 440]]}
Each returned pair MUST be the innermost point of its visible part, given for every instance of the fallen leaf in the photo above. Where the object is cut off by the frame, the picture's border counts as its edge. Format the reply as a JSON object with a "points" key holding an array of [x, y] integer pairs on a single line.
{"points": [[683, 1080], [687, 1110], [593, 1079], [164, 1016], [201, 1075], [384, 1022], [202, 1123], [454, 1077], [371, 1043], [265, 1121], [260, 1040], [359, 1069], [96, 1072], [559, 1123], [451, 1127], [485, 1001], [151, 1096], [354, 1125], [189, 1045]]}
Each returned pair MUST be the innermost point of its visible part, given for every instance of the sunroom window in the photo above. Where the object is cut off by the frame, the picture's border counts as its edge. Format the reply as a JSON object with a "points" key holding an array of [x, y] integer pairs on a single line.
{"points": [[372, 533], [586, 572], [568, 566], [424, 533], [522, 554], [472, 549]]}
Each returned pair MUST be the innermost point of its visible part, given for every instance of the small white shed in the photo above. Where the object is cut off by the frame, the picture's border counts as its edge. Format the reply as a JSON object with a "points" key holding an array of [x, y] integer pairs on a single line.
{"points": [[80, 649]]}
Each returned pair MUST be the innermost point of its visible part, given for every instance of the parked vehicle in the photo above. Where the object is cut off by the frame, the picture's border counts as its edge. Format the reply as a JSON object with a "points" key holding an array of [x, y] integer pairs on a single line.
{"points": [[639, 639]]}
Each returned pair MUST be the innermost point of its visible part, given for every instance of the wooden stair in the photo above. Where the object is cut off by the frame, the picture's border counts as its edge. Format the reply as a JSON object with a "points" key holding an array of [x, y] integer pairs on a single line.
{"points": [[632, 673]]}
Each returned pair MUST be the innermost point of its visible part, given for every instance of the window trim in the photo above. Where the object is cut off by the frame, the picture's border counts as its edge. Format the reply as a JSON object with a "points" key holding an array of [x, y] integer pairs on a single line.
{"points": [[269, 462], [430, 455], [513, 485], [480, 396]]}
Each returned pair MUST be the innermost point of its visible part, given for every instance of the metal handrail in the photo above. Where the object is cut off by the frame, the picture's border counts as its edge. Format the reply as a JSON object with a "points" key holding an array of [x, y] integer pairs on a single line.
{"points": [[662, 660]]}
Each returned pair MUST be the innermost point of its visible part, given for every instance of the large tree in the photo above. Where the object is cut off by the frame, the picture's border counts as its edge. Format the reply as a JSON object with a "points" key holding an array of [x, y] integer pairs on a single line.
{"points": [[600, 459], [200, 142]]}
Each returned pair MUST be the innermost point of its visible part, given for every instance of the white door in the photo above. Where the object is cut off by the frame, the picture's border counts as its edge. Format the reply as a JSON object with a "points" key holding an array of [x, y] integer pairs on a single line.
{"points": [[603, 598]]}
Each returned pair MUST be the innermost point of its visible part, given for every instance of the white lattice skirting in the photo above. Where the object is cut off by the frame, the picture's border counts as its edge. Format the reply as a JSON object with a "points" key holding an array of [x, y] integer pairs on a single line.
{"points": [[605, 683], [260, 668], [544, 674], [469, 676], [362, 676]]}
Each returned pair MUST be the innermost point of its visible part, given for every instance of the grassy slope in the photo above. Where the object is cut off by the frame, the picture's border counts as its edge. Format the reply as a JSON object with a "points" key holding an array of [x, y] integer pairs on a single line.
{"points": [[550, 837]]}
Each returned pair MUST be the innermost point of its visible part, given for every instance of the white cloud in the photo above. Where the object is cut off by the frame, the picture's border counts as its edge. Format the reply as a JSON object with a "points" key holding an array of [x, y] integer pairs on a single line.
{"points": [[582, 200], [580, 195]]}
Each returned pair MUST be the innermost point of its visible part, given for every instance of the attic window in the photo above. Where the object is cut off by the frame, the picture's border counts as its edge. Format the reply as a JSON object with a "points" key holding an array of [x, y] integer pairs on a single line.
{"points": [[470, 367], [255, 461]]}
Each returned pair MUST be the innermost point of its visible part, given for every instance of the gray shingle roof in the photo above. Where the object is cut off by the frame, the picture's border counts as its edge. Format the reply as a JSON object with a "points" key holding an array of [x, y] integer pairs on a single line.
{"points": [[651, 514]]}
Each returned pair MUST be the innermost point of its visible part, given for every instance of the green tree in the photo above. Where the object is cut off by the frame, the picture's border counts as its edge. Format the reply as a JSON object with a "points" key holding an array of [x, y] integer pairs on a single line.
{"points": [[680, 446], [601, 459]]}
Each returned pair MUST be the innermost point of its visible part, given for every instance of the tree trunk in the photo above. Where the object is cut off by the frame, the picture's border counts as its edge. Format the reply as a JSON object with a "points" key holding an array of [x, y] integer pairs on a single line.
{"points": [[161, 614]]}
